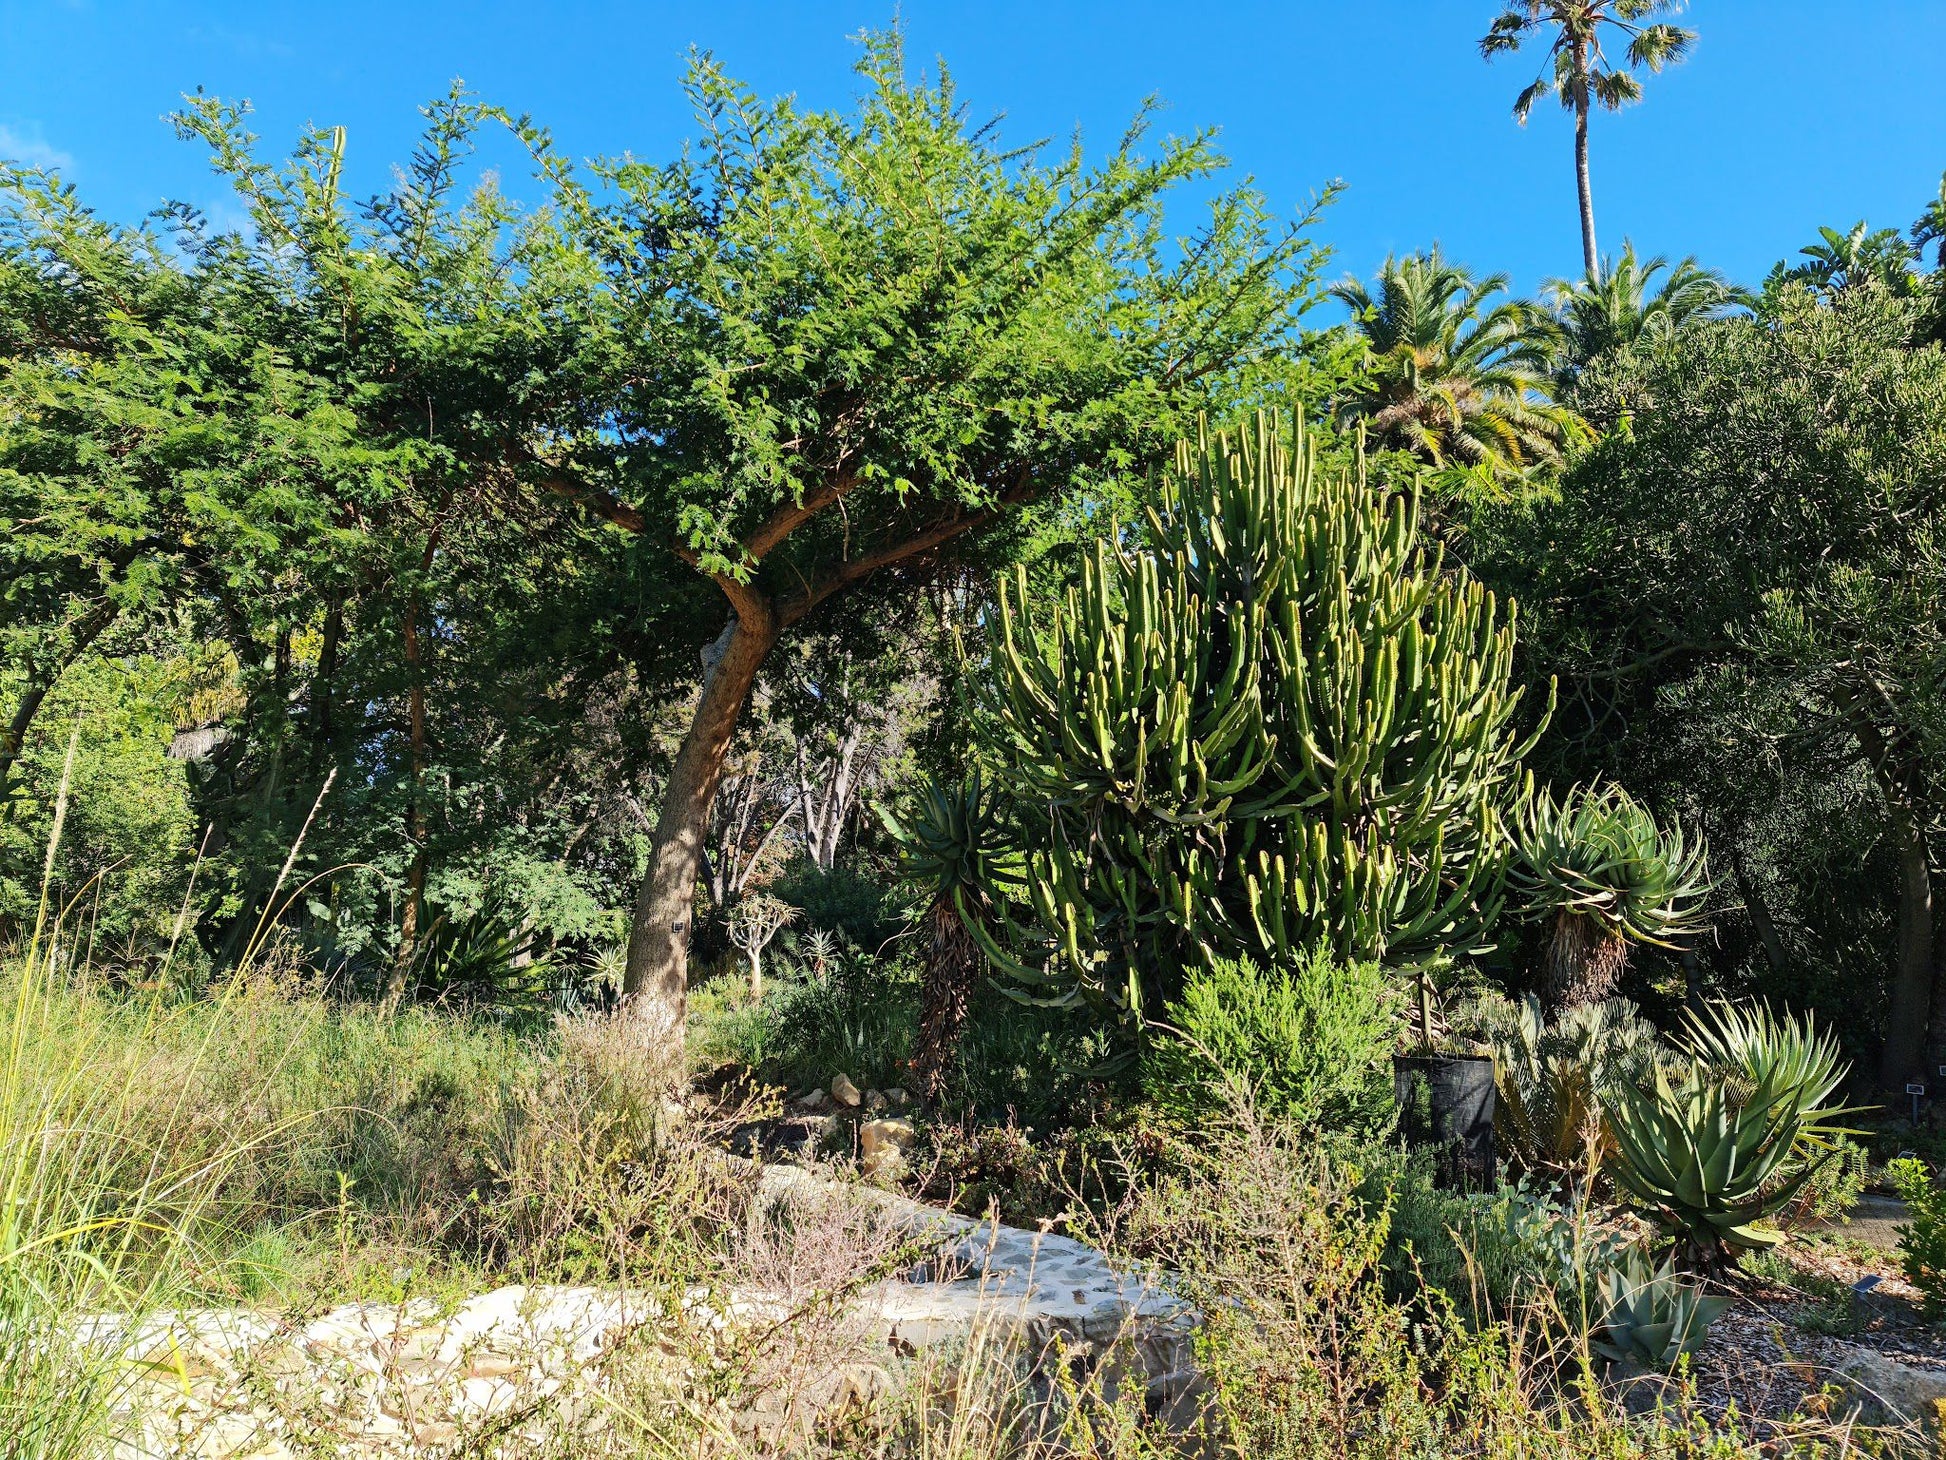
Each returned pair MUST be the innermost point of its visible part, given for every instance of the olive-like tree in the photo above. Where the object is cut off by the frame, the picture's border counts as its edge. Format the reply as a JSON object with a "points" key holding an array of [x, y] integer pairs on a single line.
{"points": [[1578, 71], [856, 345]]}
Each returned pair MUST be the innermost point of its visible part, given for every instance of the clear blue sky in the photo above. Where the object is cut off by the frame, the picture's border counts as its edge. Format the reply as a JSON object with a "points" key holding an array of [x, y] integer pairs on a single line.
{"points": [[1789, 114]]}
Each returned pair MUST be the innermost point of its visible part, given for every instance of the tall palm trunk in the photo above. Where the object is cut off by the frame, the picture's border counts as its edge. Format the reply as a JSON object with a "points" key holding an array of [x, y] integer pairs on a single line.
{"points": [[1590, 260], [657, 978]]}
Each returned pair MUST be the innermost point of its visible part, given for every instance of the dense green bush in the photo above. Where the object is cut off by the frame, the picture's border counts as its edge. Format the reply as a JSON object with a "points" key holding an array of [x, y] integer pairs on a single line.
{"points": [[1306, 1040], [1922, 1239], [856, 1019]]}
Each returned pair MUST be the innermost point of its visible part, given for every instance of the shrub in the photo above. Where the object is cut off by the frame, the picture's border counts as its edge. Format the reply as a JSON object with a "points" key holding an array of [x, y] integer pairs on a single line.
{"points": [[1491, 1252], [858, 1019], [1306, 1041], [1922, 1239]]}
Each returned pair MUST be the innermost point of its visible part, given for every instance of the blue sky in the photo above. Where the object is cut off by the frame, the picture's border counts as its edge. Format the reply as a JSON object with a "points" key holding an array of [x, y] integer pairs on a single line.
{"points": [[1788, 115]]}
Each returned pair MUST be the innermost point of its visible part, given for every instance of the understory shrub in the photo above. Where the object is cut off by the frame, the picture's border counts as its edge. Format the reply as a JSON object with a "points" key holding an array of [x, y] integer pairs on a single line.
{"points": [[1922, 1237], [1306, 1042], [857, 1018]]}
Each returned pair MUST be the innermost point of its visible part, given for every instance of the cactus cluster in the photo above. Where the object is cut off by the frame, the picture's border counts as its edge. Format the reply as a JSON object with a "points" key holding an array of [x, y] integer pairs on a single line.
{"points": [[1276, 722]]}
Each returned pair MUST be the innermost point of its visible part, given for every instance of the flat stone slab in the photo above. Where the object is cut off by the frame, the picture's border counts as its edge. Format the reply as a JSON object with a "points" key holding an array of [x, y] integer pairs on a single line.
{"points": [[374, 1379]]}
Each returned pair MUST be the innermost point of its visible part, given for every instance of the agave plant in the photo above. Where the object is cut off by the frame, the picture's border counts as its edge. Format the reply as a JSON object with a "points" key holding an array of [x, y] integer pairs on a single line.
{"points": [[489, 957], [1721, 1152], [948, 848], [1650, 1316], [1557, 1082], [1610, 878]]}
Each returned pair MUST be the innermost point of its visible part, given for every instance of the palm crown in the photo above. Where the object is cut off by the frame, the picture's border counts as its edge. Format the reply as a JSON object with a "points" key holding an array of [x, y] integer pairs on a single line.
{"points": [[1580, 28], [1578, 70], [1454, 379], [1855, 259], [1931, 224], [1621, 305]]}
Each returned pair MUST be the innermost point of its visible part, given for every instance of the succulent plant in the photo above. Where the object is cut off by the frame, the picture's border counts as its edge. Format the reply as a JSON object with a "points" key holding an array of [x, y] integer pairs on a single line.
{"points": [[1596, 863], [949, 847], [1733, 1141], [1650, 1316], [1280, 722]]}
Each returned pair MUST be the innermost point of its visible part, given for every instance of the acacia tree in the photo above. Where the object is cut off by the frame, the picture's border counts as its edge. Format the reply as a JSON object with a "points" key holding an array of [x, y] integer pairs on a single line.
{"points": [[1578, 71], [860, 344]]}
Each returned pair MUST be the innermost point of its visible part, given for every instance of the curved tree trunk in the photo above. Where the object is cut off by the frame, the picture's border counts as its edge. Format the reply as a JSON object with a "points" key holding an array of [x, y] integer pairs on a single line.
{"points": [[657, 979], [1583, 962]]}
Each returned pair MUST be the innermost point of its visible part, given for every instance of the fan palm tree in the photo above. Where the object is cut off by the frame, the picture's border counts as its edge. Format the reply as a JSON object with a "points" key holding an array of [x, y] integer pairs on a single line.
{"points": [[1621, 305], [1854, 259], [1931, 227], [1453, 379], [1577, 68]]}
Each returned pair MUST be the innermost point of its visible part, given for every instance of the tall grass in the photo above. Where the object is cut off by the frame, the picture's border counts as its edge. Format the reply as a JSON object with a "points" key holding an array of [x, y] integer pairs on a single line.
{"points": [[99, 1207]]}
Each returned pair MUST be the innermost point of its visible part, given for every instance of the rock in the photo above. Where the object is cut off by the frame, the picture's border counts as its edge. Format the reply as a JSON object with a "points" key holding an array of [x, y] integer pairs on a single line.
{"points": [[882, 1145], [816, 1100], [845, 1093], [1904, 1391], [897, 1098], [875, 1100]]}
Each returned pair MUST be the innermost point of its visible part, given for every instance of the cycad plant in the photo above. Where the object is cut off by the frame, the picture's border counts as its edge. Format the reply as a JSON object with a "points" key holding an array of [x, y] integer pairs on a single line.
{"points": [[1596, 865], [1558, 1081], [1452, 378], [949, 848], [1280, 723]]}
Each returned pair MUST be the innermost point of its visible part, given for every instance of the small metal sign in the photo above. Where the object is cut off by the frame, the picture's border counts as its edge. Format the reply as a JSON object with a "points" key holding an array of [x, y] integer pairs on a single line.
{"points": [[1915, 1089]]}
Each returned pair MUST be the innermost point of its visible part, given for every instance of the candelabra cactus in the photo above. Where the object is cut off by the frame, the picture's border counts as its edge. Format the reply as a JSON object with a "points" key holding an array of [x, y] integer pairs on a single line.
{"points": [[1279, 723]]}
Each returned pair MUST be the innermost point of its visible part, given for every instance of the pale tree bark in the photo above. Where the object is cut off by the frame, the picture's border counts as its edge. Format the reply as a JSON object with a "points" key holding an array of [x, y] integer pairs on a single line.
{"points": [[826, 799], [742, 832]]}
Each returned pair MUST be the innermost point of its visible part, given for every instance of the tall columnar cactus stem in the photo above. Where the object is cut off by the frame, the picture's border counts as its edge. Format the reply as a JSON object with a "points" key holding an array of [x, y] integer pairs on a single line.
{"points": [[1278, 722]]}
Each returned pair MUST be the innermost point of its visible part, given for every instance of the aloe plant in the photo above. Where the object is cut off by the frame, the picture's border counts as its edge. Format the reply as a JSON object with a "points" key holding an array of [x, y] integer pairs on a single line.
{"points": [[1650, 1316], [1722, 1150], [1596, 863], [949, 848]]}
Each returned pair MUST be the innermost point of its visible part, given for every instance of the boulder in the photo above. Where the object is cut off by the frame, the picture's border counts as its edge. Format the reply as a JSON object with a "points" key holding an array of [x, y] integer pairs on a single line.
{"points": [[882, 1145], [846, 1093], [1896, 1390]]}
